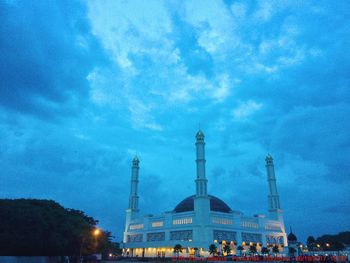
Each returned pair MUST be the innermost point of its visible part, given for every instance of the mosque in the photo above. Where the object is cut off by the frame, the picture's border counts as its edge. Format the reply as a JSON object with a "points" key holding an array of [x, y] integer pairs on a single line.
{"points": [[201, 220]]}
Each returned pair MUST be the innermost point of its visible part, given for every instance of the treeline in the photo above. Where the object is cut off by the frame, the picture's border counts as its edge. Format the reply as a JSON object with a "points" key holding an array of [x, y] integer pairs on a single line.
{"points": [[342, 237], [31, 227], [329, 242]]}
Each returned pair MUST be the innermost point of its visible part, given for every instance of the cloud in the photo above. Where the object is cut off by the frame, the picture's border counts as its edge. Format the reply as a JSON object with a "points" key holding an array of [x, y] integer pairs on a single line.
{"points": [[140, 115], [44, 68], [320, 130], [239, 10], [246, 109], [127, 28], [214, 29], [264, 11], [106, 80]]}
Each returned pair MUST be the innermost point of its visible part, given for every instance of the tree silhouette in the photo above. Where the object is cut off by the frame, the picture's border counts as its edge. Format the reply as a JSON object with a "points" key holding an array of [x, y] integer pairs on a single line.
{"points": [[252, 249], [311, 243], [227, 249], [32, 227], [265, 250], [213, 249], [240, 249], [177, 249], [292, 251], [275, 249]]}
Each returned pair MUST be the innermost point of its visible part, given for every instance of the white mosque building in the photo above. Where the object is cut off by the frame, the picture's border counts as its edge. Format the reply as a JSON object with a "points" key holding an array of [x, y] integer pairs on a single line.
{"points": [[201, 220]]}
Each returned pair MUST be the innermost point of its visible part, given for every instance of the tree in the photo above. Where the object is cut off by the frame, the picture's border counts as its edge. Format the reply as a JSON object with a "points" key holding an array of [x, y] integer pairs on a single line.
{"points": [[252, 249], [177, 249], [265, 250], [213, 249], [227, 249], [240, 249], [334, 242], [31, 227], [275, 249], [311, 243], [291, 251]]}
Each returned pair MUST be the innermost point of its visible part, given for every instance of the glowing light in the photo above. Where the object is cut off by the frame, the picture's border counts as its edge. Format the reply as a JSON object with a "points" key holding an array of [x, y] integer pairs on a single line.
{"points": [[97, 232], [327, 244], [110, 254]]}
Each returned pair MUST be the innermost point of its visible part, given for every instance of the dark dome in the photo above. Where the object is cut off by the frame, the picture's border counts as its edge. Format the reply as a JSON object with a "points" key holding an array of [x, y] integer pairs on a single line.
{"points": [[216, 205], [292, 237]]}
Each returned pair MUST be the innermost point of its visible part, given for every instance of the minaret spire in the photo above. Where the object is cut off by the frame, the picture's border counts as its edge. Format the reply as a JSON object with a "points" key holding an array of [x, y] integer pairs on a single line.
{"points": [[134, 199], [273, 197], [201, 180], [133, 208]]}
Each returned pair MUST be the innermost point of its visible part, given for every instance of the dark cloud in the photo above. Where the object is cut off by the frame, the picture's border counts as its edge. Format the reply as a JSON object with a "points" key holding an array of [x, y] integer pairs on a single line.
{"points": [[46, 56], [317, 134]]}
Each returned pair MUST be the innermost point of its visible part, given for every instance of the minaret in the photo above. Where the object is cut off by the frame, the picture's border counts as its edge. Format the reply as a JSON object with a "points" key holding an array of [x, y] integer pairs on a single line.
{"points": [[275, 210], [273, 197], [201, 199], [134, 199], [133, 208], [201, 181]]}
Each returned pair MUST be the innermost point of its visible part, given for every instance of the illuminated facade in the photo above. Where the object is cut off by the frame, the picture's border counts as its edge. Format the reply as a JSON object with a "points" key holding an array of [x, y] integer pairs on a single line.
{"points": [[201, 219]]}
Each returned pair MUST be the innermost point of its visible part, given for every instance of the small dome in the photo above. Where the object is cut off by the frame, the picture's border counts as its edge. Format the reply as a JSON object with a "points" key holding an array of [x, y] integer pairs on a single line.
{"points": [[291, 237], [199, 134], [135, 161], [216, 205]]}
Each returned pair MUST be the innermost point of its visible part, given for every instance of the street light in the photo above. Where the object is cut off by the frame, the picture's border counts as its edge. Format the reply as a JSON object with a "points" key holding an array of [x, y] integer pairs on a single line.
{"points": [[97, 232]]}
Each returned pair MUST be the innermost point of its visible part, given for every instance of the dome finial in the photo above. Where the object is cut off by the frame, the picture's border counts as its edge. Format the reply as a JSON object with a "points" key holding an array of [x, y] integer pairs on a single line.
{"points": [[199, 135], [269, 159], [135, 161]]}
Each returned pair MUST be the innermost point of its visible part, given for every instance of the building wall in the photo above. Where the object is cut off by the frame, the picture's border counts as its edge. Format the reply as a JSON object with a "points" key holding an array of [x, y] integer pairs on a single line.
{"points": [[159, 234]]}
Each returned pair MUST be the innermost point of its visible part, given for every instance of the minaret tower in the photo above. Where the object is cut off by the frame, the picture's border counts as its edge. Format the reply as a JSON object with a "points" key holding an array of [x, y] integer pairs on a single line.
{"points": [[275, 210], [134, 199], [133, 208], [273, 197], [201, 180], [201, 199]]}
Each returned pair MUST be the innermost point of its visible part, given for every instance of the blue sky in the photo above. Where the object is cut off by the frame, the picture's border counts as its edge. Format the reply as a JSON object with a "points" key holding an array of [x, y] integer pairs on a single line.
{"points": [[84, 86]]}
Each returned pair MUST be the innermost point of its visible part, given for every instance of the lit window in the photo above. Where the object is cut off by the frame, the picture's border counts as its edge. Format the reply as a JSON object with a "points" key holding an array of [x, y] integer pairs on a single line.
{"points": [[157, 224], [182, 221], [135, 227], [222, 221], [249, 224]]}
